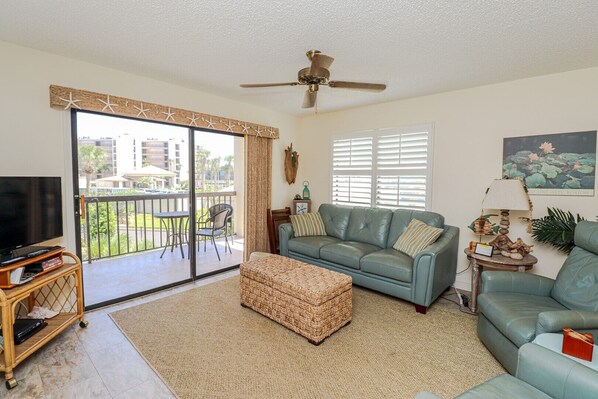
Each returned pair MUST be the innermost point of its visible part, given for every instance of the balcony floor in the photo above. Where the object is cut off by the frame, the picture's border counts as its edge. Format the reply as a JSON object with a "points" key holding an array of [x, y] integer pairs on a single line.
{"points": [[112, 278]]}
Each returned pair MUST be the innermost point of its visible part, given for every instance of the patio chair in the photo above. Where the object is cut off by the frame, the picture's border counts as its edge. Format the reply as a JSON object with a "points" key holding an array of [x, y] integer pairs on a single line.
{"points": [[217, 229], [209, 218]]}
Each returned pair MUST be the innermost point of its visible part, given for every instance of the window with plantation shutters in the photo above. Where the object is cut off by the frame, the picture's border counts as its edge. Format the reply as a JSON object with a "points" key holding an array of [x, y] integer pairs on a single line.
{"points": [[389, 168]]}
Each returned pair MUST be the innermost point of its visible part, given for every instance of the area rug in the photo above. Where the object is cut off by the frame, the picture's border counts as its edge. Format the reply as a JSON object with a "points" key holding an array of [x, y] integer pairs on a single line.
{"points": [[205, 345]]}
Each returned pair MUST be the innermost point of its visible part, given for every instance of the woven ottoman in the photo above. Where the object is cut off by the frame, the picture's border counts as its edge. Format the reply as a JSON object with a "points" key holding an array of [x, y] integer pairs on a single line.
{"points": [[309, 300]]}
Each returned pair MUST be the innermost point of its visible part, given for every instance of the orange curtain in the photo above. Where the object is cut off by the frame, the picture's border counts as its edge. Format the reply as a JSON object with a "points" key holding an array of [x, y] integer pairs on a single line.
{"points": [[258, 196]]}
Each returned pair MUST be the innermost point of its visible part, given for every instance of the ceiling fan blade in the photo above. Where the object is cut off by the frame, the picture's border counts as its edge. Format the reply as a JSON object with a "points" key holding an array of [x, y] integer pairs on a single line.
{"points": [[252, 85], [309, 100], [356, 85], [321, 60]]}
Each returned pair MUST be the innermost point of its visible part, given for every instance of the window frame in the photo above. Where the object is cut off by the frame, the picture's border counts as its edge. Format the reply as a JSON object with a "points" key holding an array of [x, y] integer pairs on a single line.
{"points": [[374, 172]]}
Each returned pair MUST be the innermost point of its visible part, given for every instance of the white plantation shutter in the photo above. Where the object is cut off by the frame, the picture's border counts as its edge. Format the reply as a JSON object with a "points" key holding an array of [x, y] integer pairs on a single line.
{"points": [[352, 171], [388, 168]]}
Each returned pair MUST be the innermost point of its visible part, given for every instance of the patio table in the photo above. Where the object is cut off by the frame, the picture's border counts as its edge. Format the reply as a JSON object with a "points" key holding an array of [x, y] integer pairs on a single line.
{"points": [[173, 221]]}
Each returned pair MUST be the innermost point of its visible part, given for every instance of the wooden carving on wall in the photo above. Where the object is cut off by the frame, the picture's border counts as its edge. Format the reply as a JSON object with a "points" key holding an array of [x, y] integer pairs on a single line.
{"points": [[291, 164]]}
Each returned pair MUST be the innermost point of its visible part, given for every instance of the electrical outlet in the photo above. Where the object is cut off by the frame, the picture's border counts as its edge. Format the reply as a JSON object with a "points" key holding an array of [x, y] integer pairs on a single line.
{"points": [[465, 300]]}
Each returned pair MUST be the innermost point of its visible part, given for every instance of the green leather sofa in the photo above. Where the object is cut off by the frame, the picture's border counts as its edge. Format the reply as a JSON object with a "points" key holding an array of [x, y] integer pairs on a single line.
{"points": [[541, 374], [359, 242], [515, 307]]}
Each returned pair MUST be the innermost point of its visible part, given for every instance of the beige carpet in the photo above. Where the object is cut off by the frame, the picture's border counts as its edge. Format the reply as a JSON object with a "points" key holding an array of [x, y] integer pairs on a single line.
{"points": [[205, 345]]}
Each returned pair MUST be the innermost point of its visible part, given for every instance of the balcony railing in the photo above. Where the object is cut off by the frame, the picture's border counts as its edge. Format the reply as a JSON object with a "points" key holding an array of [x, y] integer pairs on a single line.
{"points": [[125, 224]]}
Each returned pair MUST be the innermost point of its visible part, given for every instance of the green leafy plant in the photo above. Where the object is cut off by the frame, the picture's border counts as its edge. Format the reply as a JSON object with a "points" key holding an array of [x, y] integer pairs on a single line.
{"points": [[556, 229]]}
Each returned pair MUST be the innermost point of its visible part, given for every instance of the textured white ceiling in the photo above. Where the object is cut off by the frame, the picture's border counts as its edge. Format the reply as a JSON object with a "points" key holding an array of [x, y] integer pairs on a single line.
{"points": [[415, 47]]}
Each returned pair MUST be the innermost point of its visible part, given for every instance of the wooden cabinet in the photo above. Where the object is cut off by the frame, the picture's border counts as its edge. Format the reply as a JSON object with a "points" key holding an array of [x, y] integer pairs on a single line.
{"points": [[59, 288]]}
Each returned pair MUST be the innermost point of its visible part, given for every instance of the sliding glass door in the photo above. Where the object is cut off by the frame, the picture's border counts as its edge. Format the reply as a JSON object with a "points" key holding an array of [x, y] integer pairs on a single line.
{"points": [[219, 188]]}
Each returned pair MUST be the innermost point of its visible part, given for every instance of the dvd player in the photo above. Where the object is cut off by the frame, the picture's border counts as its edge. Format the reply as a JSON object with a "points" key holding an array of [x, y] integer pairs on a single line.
{"points": [[25, 328]]}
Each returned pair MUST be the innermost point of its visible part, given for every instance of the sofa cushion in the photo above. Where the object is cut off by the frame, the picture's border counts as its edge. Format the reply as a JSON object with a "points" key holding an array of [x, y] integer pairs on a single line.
{"points": [[347, 253], [336, 219], [310, 246], [401, 219], [576, 285], [308, 224], [388, 263], [417, 237], [515, 315], [504, 386], [369, 225]]}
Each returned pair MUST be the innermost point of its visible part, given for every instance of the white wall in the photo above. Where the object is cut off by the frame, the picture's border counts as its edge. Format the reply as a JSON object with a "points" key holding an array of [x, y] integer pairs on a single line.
{"points": [[36, 138], [469, 129]]}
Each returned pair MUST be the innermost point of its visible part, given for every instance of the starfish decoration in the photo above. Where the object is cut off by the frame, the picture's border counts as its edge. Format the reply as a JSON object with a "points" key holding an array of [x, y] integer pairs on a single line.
{"points": [[193, 120], [229, 126], [245, 127], [142, 111], [258, 132], [70, 102], [169, 115], [271, 132], [107, 104], [209, 122]]}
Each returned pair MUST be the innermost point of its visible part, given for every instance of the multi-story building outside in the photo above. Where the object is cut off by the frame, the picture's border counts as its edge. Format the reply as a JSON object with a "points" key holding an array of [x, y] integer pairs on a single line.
{"points": [[108, 145], [127, 153]]}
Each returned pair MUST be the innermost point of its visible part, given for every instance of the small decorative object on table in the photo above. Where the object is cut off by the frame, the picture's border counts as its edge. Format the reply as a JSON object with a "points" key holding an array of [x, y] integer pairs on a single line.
{"points": [[306, 190], [517, 250], [577, 344], [483, 249], [301, 206]]}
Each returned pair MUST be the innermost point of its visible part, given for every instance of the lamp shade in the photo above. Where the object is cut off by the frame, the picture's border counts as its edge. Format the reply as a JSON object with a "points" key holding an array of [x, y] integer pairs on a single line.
{"points": [[507, 194]]}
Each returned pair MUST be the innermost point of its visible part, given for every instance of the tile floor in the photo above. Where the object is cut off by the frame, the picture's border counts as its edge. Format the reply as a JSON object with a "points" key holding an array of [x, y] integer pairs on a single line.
{"points": [[143, 271], [95, 362]]}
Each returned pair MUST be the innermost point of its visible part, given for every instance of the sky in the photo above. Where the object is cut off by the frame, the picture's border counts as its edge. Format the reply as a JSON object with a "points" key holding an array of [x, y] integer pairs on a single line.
{"points": [[97, 126]]}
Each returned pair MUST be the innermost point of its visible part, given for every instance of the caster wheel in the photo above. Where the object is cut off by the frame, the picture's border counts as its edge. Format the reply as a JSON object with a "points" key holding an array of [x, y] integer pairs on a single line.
{"points": [[83, 324], [10, 384]]}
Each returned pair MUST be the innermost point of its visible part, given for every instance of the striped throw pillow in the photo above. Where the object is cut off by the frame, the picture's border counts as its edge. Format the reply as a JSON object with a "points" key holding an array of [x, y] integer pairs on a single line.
{"points": [[417, 237], [308, 224]]}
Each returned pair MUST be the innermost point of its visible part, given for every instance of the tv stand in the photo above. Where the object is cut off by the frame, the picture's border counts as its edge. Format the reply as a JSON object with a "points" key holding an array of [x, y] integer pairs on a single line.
{"points": [[59, 288]]}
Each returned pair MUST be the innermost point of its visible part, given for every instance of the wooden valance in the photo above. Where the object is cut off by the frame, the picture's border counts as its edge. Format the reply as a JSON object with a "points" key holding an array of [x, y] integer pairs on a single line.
{"points": [[66, 98]]}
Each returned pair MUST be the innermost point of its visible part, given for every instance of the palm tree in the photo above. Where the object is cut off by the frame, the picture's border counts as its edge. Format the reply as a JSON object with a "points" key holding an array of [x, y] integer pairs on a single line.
{"points": [[215, 170], [201, 164], [228, 168], [93, 159]]}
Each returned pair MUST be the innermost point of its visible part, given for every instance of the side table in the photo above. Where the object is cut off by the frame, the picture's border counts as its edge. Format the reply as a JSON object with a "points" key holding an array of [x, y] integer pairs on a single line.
{"points": [[496, 261]]}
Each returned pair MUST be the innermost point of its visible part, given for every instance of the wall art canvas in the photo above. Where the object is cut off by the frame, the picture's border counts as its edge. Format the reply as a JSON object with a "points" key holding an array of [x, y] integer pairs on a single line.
{"points": [[552, 164]]}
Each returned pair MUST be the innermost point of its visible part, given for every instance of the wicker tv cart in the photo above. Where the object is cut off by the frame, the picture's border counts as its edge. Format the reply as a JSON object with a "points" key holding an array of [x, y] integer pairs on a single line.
{"points": [[312, 301], [59, 288]]}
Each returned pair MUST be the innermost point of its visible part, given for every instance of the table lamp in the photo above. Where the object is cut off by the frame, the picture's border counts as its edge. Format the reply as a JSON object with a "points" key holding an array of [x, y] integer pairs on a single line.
{"points": [[506, 195]]}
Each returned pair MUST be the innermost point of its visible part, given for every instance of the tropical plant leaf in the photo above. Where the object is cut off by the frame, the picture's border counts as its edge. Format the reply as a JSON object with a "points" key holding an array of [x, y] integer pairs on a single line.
{"points": [[556, 229]]}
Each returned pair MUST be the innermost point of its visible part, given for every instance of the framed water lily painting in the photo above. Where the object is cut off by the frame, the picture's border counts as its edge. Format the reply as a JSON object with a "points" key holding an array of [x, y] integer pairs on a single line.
{"points": [[552, 164]]}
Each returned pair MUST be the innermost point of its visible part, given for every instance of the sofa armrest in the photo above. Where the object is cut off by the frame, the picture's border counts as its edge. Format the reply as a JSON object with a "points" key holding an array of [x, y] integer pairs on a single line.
{"points": [[555, 320], [522, 283], [285, 233], [554, 374], [434, 269]]}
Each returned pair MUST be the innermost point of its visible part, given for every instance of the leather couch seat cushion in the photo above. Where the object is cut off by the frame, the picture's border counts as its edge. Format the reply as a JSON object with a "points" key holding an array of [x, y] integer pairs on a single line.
{"points": [[504, 385], [388, 263], [347, 253], [310, 246], [515, 315]]}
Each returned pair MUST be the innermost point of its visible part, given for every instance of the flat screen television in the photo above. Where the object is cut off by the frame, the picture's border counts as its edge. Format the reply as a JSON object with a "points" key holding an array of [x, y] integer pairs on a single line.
{"points": [[30, 211]]}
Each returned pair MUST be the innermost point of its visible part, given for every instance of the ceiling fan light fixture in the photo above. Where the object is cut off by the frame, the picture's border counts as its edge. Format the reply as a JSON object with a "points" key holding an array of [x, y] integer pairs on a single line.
{"points": [[318, 74]]}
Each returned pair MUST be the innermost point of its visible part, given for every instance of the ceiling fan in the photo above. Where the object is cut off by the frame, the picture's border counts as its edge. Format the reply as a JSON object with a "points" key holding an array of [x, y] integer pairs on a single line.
{"points": [[318, 74]]}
